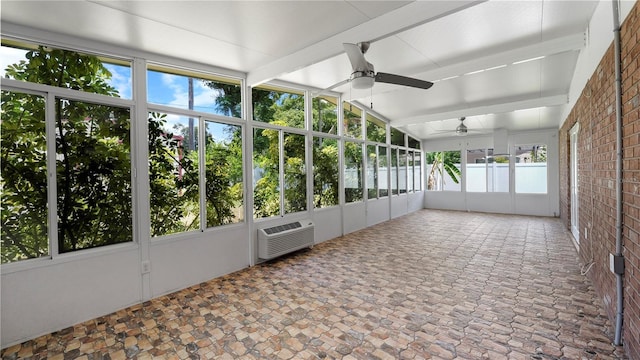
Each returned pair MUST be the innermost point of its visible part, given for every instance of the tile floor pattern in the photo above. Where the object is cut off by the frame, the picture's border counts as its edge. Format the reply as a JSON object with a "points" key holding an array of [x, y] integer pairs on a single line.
{"points": [[429, 285]]}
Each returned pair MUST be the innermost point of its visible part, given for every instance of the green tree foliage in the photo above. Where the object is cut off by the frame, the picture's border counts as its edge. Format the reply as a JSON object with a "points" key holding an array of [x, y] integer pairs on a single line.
{"points": [[93, 163], [24, 181], [443, 161], [353, 171], [284, 110], [295, 173], [223, 163], [173, 181], [93, 167], [266, 155], [539, 154], [325, 172], [325, 115]]}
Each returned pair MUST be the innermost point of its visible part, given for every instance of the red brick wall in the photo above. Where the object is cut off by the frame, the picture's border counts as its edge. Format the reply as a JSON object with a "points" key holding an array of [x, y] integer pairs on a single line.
{"points": [[595, 111]]}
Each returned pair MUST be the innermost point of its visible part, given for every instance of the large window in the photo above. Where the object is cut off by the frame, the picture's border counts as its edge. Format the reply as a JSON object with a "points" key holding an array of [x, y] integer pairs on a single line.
{"points": [[66, 69], [93, 179], [372, 172], [89, 166], [443, 171], [269, 168], [325, 172], [187, 90], [397, 137], [413, 143], [410, 177], [352, 121], [24, 177], [417, 171], [266, 172], [486, 172], [282, 107], [325, 114], [353, 171], [531, 169], [295, 173], [394, 171], [376, 129], [223, 169], [173, 174], [383, 171], [402, 171]]}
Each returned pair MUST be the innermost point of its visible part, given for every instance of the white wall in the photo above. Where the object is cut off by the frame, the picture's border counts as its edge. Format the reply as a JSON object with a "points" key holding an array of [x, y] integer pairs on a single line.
{"points": [[189, 260], [377, 211], [52, 295]]}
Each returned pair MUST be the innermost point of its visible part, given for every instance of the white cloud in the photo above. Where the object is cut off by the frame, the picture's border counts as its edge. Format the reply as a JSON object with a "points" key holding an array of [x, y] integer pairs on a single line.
{"points": [[9, 56]]}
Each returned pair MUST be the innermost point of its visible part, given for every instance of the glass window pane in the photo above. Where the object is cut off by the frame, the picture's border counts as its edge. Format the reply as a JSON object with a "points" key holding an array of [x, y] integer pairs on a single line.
{"points": [[443, 171], [93, 157], [413, 143], [352, 171], [397, 137], [266, 172], [23, 180], [376, 129], [497, 172], [410, 179], [402, 171], [394, 171], [325, 114], [295, 173], [223, 164], [372, 172], [173, 174], [278, 106], [383, 171], [65, 69], [531, 169], [417, 171], [188, 90], [325, 172], [476, 170], [352, 121]]}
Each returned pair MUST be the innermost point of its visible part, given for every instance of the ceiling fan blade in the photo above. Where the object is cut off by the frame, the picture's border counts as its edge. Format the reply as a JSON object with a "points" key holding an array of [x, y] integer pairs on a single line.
{"points": [[324, 91], [356, 57], [402, 80]]}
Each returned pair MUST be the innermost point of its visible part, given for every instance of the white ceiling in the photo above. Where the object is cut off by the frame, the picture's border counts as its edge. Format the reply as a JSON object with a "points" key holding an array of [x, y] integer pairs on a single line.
{"points": [[470, 49]]}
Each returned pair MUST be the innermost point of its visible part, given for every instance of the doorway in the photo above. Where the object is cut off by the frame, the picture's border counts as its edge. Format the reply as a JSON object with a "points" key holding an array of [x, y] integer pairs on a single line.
{"points": [[575, 228]]}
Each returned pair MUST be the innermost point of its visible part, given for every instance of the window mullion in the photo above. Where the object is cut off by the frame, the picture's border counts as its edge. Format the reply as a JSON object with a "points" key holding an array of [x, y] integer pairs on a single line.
{"points": [[50, 116], [202, 173], [281, 170]]}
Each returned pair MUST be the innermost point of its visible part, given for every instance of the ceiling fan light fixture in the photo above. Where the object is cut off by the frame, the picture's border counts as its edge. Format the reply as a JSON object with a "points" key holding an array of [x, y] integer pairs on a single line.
{"points": [[362, 80], [461, 130]]}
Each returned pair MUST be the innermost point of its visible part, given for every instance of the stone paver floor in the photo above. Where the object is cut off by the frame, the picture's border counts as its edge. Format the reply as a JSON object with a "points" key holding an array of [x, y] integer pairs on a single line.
{"points": [[429, 285]]}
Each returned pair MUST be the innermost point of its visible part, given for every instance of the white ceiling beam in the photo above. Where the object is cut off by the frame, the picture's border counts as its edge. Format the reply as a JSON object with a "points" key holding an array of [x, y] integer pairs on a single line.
{"points": [[488, 107], [572, 42], [391, 23]]}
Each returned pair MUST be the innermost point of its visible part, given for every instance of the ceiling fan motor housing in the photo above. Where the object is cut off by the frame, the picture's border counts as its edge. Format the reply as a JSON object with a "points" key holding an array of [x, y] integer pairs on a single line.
{"points": [[362, 79]]}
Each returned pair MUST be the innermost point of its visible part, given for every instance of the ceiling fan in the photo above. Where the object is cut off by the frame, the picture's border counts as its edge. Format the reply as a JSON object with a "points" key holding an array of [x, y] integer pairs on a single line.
{"points": [[461, 129], [363, 75]]}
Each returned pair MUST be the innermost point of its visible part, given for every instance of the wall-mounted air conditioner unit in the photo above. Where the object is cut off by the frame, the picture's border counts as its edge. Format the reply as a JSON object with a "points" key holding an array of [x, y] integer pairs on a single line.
{"points": [[282, 239]]}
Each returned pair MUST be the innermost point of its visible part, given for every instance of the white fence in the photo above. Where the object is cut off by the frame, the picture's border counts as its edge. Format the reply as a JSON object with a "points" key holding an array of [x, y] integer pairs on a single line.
{"points": [[530, 178]]}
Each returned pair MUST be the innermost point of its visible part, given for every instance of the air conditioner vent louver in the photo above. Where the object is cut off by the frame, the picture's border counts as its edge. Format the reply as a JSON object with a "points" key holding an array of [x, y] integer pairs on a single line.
{"points": [[282, 239], [281, 228]]}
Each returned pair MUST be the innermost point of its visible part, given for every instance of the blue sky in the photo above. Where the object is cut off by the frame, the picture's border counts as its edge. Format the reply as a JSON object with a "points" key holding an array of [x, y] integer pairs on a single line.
{"points": [[165, 89]]}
